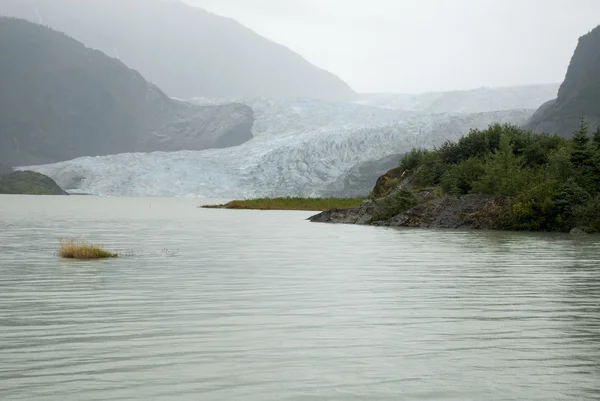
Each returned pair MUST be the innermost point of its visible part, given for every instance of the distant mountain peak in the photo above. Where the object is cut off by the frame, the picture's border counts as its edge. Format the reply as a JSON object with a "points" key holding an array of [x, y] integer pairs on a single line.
{"points": [[185, 50], [578, 95], [60, 100]]}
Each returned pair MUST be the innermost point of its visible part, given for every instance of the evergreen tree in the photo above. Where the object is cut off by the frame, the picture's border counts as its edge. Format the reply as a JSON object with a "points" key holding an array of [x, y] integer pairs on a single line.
{"points": [[503, 172], [580, 136], [580, 156], [596, 137]]}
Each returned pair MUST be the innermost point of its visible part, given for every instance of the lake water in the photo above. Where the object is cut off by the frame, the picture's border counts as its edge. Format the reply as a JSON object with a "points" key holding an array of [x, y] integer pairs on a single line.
{"points": [[250, 305]]}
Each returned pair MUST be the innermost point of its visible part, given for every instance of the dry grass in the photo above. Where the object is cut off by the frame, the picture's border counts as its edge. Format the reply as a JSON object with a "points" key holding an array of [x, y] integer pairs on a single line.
{"points": [[309, 204], [72, 249]]}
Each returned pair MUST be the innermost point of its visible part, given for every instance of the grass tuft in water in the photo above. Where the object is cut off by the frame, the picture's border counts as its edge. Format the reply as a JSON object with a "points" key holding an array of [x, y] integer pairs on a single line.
{"points": [[289, 203], [72, 249]]}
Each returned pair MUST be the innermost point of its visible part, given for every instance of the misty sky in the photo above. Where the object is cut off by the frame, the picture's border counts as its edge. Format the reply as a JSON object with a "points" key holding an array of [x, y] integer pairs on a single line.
{"points": [[424, 45]]}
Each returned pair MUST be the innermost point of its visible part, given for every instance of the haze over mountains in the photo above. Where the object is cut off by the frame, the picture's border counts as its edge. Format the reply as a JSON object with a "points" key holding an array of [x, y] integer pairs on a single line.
{"points": [[60, 100], [259, 120], [186, 51]]}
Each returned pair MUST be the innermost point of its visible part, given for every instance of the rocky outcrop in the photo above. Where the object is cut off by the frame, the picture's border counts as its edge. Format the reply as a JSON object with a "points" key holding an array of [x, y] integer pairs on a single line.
{"points": [[60, 100], [29, 183], [468, 211], [579, 94], [387, 182], [356, 215]]}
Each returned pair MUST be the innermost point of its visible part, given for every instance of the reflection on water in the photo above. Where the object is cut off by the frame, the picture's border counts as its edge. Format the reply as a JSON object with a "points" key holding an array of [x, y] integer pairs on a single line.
{"points": [[247, 305]]}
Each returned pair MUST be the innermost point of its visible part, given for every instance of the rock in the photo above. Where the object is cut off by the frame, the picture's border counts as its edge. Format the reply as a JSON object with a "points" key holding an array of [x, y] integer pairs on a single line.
{"points": [[468, 211], [357, 215], [580, 231], [482, 212], [387, 182]]}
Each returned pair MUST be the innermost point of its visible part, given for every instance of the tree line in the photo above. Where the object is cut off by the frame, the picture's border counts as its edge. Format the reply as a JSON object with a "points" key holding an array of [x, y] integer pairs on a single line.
{"points": [[553, 182]]}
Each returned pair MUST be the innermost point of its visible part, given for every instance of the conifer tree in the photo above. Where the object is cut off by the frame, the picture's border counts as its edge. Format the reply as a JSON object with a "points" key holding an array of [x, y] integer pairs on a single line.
{"points": [[596, 137], [580, 139], [580, 136]]}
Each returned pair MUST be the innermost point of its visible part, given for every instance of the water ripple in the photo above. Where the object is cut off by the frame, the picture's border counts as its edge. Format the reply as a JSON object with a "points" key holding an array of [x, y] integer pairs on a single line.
{"points": [[221, 305]]}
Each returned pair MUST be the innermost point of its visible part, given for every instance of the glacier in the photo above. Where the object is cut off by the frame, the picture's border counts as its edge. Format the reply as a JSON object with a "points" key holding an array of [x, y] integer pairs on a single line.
{"points": [[466, 101], [301, 147]]}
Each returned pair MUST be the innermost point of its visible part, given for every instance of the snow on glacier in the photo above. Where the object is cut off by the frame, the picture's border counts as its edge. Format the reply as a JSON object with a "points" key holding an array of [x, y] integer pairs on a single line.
{"points": [[299, 147]]}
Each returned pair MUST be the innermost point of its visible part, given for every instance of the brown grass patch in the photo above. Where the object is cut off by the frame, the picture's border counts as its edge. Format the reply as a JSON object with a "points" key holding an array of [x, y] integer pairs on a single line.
{"points": [[72, 249]]}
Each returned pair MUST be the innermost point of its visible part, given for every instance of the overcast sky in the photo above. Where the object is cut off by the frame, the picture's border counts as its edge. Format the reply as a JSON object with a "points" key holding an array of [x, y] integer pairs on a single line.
{"points": [[424, 45]]}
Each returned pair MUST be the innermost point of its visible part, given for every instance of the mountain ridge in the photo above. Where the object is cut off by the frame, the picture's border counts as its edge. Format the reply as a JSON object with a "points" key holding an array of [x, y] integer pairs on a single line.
{"points": [[195, 53], [60, 100], [579, 93]]}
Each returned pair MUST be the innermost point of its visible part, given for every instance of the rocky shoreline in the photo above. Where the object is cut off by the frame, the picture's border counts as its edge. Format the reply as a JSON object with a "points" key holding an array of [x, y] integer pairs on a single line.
{"points": [[469, 211]]}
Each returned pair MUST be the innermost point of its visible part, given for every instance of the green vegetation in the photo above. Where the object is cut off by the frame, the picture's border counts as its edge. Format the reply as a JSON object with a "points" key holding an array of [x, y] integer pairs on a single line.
{"points": [[28, 183], [310, 204], [71, 249], [396, 203], [553, 183]]}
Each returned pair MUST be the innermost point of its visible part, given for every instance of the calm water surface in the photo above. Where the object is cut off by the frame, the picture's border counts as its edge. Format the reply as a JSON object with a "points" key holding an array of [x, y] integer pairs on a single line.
{"points": [[250, 305]]}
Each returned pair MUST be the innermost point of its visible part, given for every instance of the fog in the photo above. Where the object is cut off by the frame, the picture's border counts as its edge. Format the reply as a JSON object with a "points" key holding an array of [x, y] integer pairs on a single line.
{"points": [[424, 45]]}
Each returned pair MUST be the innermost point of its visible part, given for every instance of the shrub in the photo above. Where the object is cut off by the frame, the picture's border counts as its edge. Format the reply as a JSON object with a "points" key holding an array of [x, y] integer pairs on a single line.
{"points": [[71, 249], [536, 210], [394, 204], [413, 159], [459, 179], [503, 172], [588, 214], [476, 143]]}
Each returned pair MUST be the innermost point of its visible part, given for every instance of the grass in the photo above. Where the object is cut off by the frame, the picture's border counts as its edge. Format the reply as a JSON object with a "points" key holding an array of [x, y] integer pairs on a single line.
{"points": [[309, 204], [71, 249]]}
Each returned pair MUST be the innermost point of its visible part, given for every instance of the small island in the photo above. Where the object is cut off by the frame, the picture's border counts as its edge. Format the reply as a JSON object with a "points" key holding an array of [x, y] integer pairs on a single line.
{"points": [[503, 178]]}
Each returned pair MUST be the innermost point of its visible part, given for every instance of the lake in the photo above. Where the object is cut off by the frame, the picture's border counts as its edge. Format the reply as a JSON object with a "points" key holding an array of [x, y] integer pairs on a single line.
{"points": [[262, 305]]}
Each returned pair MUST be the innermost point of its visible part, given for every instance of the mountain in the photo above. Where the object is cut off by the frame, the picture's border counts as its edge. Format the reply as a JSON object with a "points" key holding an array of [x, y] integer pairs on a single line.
{"points": [[28, 183], [185, 50], [60, 100], [5, 169], [578, 95]]}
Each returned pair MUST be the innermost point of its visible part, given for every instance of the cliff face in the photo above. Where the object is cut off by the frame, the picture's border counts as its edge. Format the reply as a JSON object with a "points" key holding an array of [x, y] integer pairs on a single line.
{"points": [[60, 100], [185, 50], [578, 95]]}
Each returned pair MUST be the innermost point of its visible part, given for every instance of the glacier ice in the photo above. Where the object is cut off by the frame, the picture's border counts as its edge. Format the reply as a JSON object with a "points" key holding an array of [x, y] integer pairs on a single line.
{"points": [[301, 147]]}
